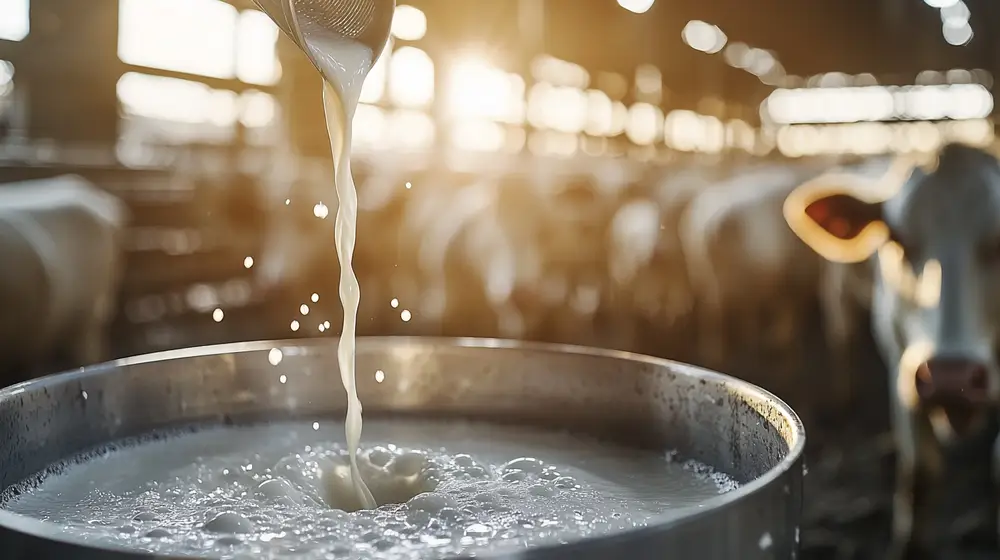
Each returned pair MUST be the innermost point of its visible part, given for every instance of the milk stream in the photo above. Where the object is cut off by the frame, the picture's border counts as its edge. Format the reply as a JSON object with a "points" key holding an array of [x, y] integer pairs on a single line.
{"points": [[344, 66]]}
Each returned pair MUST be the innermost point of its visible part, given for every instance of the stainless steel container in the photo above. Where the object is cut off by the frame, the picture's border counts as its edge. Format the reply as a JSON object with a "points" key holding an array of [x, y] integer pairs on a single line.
{"points": [[729, 424]]}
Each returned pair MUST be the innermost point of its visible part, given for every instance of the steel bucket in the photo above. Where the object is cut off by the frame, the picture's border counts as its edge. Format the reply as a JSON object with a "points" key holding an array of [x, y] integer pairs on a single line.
{"points": [[732, 425]]}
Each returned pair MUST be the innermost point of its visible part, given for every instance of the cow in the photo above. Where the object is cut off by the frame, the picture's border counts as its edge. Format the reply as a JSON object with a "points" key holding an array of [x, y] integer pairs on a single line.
{"points": [[674, 193], [298, 236], [930, 234], [59, 245], [441, 256], [845, 291], [573, 230], [415, 241], [636, 293], [752, 277], [298, 240]]}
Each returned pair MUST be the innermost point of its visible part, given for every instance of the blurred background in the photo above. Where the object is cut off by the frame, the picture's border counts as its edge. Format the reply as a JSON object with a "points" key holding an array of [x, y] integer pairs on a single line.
{"points": [[597, 172]]}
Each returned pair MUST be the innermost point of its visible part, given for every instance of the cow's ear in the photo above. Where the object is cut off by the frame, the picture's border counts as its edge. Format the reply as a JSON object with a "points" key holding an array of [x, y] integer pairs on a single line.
{"points": [[828, 214]]}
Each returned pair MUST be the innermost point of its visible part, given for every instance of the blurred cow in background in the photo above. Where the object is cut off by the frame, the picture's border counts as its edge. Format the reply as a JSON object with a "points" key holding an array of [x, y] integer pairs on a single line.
{"points": [[753, 278], [301, 207], [845, 297], [60, 275], [930, 235], [636, 287], [573, 233], [673, 189]]}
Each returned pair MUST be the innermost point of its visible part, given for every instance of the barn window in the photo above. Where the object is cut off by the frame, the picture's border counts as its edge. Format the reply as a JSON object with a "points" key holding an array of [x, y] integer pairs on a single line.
{"points": [[256, 42], [201, 37], [173, 111], [192, 36], [15, 23], [411, 78]]}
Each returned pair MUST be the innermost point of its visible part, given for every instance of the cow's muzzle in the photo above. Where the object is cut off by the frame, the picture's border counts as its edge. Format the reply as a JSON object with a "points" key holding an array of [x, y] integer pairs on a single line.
{"points": [[958, 386]]}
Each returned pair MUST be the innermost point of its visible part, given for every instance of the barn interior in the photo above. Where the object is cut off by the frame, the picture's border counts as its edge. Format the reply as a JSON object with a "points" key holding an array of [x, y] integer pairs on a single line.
{"points": [[589, 172]]}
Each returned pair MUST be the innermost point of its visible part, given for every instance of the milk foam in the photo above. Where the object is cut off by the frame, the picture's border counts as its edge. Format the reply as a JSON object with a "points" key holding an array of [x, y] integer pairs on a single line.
{"points": [[278, 490]]}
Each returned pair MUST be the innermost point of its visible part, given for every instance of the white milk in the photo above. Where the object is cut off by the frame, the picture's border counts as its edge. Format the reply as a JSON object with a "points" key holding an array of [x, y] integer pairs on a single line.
{"points": [[278, 491], [344, 65]]}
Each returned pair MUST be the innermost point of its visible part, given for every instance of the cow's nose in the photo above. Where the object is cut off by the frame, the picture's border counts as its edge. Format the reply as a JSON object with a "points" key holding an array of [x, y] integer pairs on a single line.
{"points": [[952, 381]]}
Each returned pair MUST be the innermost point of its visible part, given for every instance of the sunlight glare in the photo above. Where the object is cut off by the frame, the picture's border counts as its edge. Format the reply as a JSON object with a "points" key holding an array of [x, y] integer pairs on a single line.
{"points": [[411, 78], [409, 23], [171, 99], [636, 6], [15, 23], [256, 49], [477, 90], [193, 36]]}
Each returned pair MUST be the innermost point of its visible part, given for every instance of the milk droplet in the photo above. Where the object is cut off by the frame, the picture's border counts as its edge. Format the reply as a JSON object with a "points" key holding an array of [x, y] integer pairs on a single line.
{"points": [[274, 356]]}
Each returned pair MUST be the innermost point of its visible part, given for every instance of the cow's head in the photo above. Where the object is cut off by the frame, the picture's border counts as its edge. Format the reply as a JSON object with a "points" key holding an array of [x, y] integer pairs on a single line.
{"points": [[933, 234], [299, 234]]}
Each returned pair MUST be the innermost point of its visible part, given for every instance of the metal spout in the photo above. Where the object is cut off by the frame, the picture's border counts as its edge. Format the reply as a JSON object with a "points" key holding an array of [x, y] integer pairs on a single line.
{"points": [[363, 21]]}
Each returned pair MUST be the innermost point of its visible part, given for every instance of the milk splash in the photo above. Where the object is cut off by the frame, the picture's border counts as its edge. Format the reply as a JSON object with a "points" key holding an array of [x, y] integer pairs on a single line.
{"points": [[344, 66]]}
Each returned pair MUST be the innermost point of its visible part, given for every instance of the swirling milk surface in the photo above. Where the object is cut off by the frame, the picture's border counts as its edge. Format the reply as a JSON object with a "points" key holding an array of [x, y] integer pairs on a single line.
{"points": [[283, 490]]}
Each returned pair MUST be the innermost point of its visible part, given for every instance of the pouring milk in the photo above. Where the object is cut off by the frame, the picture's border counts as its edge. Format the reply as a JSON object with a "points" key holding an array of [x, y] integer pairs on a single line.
{"points": [[344, 66]]}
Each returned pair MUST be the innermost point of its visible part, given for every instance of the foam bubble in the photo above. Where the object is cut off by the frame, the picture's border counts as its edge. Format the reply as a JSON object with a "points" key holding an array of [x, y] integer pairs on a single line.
{"points": [[229, 523]]}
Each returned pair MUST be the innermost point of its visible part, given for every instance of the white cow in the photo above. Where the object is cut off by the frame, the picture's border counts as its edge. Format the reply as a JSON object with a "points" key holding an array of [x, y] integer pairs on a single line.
{"points": [[931, 238], [301, 211], [634, 232], [674, 193], [60, 274], [301, 205], [636, 289], [845, 291], [571, 230], [467, 208], [750, 273], [503, 250]]}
